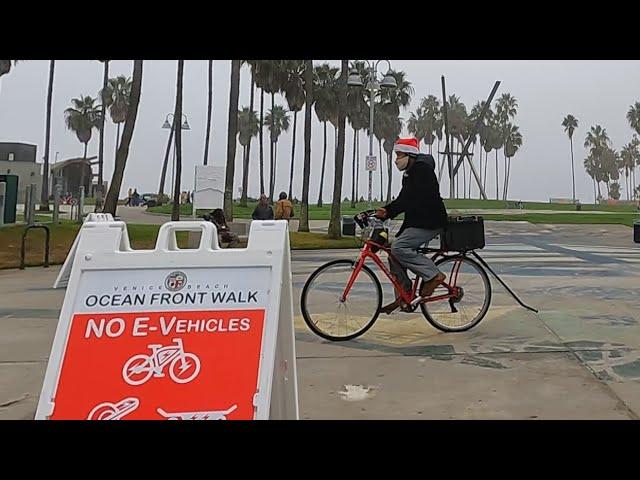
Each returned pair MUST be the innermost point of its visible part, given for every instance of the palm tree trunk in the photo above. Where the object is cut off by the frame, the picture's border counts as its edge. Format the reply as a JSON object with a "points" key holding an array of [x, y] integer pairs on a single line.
{"points": [[105, 80], [508, 176], [44, 197], [163, 175], [504, 186], [358, 167], [334, 223], [271, 152], [117, 138], [380, 164], [111, 201], [324, 159], [594, 191], [245, 175], [175, 211], [353, 172], [303, 225], [464, 180], [389, 174], [245, 182], [85, 151], [573, 175], [497, 182], [293, 154], [209, 108], [486, 164], [232, 133], [261, 142]]}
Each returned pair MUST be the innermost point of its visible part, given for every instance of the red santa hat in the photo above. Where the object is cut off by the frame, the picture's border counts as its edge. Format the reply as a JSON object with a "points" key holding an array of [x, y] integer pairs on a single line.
{"points": [[407, 145]]}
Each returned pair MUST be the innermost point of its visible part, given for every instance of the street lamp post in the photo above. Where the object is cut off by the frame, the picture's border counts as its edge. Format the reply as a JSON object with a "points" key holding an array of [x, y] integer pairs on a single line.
{"points": [[388, 81], [171, 126]]}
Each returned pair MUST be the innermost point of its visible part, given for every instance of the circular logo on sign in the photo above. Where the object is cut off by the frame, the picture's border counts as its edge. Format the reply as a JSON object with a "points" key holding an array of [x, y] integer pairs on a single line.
{"points": [[175, 281]]}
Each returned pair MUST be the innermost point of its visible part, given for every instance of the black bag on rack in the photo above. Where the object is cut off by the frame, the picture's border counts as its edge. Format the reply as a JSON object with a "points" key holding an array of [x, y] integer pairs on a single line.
{"points": [[463, 234]]}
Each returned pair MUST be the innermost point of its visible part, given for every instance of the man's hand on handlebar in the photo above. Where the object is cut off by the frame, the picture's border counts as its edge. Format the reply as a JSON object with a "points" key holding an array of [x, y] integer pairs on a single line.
{"points": [[381, 213]]}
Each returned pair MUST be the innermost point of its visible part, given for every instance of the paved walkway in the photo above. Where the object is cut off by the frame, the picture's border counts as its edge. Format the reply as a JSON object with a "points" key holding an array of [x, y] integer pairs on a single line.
{"points": [[579, 358]]}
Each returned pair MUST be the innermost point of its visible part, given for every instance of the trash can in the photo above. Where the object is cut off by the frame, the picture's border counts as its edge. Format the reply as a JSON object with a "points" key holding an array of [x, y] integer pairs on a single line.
{"points": [[348, 226], [11, 197], [636, 231], [578, 206]]}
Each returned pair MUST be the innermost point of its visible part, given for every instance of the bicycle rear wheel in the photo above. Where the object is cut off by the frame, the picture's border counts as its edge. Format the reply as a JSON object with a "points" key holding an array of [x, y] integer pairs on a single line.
{"points": [[327, 315], [470, 307]]}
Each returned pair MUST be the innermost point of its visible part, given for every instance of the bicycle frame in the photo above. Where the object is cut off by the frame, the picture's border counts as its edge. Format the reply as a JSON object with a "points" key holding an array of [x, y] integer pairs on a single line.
{"points": [[408, 297], [174, 351]]}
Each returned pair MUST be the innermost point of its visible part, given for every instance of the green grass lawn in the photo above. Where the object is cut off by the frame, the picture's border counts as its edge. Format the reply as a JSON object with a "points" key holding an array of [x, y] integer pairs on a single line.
{"points": [[324, 212], [141, 237], [568, 218]]}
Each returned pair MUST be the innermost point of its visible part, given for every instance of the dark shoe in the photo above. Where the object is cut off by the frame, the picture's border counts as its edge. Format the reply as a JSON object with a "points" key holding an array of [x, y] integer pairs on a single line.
{"points": [[428, 287], [391, 307]]}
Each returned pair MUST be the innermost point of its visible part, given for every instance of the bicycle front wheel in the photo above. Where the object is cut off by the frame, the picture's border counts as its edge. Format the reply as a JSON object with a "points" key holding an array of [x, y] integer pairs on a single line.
{"points": [[468, 308], [323, 309]]}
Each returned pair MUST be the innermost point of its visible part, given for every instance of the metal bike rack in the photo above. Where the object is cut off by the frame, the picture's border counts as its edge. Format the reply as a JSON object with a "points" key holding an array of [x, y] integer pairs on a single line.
{"points": [[46, 249]]}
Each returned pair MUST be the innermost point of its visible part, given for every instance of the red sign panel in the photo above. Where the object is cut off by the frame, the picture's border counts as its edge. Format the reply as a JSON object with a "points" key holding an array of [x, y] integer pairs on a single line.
{"points": [[185, 365]]}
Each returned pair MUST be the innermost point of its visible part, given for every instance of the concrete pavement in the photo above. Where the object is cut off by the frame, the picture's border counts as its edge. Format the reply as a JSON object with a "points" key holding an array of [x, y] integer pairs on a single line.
{"points": [[579, 358]]}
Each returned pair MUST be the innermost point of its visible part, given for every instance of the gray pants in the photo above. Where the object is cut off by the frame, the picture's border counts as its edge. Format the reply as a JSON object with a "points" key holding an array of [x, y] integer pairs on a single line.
{"points": [[404, 249]]}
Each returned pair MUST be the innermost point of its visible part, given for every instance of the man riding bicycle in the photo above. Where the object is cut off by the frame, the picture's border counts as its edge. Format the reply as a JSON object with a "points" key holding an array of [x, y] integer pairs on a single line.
{"points": [[425, 216]]}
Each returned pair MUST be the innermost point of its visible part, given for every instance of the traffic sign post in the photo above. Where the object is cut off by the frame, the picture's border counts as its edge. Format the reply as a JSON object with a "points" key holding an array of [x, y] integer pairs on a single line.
{"points": [[169, 333]]}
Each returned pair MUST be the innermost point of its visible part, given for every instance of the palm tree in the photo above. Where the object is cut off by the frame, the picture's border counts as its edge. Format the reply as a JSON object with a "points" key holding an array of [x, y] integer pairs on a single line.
{"points": [[513, 142], [303, 225], [175, 209], [597, 141], [209, 108], [506, 109], [358, 116], [589, 167], [636, 155], [82, 118], [270, 78], [44, 198], [325, 106], [334, 223], [232, 132], [633, 116], [570, 123], [392, 100], [257, 80], [277, 120], [245, 181], [115, 98], [5, 66], [127, 134], [105, 81], [294, 94], [457, 116], [628, 164], [480, 136], [248, 127]]}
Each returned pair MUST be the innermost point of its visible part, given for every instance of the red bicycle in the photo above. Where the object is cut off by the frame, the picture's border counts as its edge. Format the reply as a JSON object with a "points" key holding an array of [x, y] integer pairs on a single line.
{"points": [[341, 300]]}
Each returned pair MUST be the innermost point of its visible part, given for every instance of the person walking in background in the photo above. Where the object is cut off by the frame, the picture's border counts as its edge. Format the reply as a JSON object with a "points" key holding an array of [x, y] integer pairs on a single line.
{"points": [[129, 196], [263, 210], [284, 208]]}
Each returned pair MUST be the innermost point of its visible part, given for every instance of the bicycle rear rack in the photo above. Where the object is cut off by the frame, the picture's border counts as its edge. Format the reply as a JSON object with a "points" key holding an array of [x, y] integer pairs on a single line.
{"points": [[46, 247]]}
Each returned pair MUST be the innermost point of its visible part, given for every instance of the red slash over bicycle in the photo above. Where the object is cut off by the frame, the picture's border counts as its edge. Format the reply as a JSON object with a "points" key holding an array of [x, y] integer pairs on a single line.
{"points": [[341, 300]]}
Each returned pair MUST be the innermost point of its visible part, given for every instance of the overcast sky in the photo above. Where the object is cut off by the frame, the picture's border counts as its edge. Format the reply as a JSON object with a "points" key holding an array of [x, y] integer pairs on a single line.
{"points": [[596, 92]]}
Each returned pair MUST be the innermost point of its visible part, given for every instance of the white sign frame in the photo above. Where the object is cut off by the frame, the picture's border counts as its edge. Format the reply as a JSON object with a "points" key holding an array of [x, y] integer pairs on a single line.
{"points": [[104, 245], [208, 187]]}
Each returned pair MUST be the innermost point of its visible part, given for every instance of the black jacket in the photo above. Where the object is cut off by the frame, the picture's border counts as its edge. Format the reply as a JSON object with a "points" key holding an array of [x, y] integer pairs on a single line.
{"points": [[262, 212], [420, 198]]}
